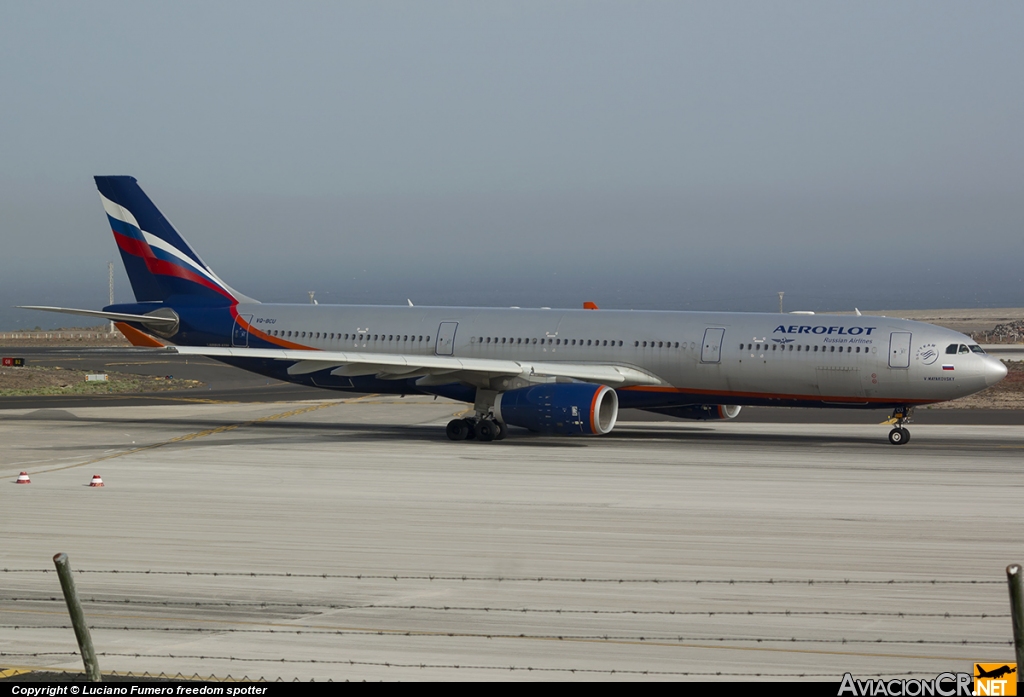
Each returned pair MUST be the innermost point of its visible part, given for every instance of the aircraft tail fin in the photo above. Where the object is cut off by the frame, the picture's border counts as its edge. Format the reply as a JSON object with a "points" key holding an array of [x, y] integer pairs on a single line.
{"points": [[159, 262]]}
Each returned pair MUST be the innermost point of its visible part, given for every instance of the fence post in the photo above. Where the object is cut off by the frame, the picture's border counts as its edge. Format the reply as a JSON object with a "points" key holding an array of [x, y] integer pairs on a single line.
{"points": [[67, 584], [1013, 577]]}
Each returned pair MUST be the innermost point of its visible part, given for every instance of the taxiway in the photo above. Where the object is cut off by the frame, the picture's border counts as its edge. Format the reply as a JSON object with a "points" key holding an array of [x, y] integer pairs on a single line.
{"points": [[349, 539]]}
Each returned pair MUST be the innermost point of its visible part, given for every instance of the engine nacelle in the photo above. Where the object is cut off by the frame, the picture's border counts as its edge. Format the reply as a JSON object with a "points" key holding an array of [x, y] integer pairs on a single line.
{"points": [[704, 412], [577, 408]]}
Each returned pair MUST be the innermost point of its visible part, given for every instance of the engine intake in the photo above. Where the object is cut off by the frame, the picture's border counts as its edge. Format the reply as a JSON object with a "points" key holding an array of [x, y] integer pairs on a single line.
{"points": [[562, 408]]}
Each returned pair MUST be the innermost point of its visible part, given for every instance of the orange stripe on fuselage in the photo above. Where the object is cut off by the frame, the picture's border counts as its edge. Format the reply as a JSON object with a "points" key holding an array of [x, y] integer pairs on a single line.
{"points": [[137, 338], [277, 341], [773, 395]]}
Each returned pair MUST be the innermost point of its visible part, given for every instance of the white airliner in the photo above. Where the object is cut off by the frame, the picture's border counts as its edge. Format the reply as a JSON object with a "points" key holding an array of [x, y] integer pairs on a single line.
{"points": [[554, 371]]}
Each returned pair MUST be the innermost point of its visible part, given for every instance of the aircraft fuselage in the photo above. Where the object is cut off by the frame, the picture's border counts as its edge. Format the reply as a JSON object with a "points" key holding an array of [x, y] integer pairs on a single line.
{"points": [[701, 357]]}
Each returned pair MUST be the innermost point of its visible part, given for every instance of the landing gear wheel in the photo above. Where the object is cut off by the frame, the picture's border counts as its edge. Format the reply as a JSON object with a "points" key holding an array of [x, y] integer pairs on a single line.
{"points": [[457, 429], [898, 436], [502, 431], [471, 432], [906, 436], [486, 430]]}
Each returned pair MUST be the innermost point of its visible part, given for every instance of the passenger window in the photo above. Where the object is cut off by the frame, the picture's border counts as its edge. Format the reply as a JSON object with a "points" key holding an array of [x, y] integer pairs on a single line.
{"points": [[832, 349]]}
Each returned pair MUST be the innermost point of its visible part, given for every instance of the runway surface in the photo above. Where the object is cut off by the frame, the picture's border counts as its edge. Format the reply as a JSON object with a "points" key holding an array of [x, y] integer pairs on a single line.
{"points": [[351, 540]]}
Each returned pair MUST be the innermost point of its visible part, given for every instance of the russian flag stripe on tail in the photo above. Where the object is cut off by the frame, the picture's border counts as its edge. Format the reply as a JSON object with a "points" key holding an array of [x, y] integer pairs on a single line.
{"points": [[160, 263]]}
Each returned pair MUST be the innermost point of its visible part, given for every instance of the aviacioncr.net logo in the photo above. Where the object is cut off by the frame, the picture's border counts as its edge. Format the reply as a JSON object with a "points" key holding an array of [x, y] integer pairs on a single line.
{"points": [[944, 685]]}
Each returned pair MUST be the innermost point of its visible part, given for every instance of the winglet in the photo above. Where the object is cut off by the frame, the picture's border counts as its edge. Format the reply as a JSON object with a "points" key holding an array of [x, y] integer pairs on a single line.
{"points": [[589, 305]]}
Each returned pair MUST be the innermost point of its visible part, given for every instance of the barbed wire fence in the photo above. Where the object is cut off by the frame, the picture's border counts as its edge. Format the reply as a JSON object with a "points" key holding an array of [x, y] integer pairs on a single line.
{"points": [[650, 638]]}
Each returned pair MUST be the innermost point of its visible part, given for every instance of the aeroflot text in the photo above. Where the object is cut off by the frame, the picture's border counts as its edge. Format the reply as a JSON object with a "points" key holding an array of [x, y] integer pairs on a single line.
{"points": [[54, 690], [794, 329]]}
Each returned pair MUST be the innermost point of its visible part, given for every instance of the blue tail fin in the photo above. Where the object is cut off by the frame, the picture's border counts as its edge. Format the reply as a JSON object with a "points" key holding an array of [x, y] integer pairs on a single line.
{"points": [[160, 264]]}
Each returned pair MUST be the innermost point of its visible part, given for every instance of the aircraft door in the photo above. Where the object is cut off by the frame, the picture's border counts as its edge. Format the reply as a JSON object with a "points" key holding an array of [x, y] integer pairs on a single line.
{"points": [[445, 345], [899, 350], [711, 349], [240, 335]]}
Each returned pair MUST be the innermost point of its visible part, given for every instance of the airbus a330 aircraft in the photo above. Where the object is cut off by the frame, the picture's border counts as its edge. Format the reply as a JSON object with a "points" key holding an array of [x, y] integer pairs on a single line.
{"points": [[554, 371]]}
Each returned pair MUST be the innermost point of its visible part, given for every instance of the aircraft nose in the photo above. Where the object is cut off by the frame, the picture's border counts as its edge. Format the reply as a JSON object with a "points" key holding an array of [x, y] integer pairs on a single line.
{"points": [[995, 371]]}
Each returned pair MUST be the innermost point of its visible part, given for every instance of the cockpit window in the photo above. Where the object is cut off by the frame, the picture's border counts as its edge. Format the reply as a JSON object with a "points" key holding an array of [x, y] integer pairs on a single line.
{"points": [[977, 349], [963, 349], [951, 348]]}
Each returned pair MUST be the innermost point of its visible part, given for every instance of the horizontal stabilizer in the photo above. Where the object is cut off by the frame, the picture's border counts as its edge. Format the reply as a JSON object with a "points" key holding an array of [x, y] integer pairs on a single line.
{"points": [[113, 316]]}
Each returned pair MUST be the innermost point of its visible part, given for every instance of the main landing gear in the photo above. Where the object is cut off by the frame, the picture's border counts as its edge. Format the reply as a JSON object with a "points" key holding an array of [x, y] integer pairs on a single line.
{"points": [[900, 435], [476, 429]]}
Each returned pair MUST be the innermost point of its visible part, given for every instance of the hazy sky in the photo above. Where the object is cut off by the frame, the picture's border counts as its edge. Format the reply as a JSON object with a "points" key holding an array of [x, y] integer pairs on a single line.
{"points": [[671, 155]]}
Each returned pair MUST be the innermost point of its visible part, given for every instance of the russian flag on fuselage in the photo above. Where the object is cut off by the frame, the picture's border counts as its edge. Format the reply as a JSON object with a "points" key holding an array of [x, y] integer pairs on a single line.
{"points": [[159, 262]]}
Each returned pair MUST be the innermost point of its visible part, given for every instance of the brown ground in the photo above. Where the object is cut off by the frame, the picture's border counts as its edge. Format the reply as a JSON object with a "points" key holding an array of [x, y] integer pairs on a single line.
{"points": [[63, 338], [33, 380], [980, 321]]}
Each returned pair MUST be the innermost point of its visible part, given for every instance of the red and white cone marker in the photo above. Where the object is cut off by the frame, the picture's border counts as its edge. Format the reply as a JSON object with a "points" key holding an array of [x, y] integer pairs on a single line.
{"points": [[23, 479], [97, 480]]}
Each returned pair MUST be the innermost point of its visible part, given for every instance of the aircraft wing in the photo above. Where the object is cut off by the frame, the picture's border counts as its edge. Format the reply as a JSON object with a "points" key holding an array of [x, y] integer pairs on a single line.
{"points": [[400, 366]]}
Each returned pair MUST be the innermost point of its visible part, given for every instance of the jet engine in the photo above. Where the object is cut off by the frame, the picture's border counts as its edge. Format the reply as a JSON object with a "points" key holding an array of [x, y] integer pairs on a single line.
{"points": [[703, 412], [578, 408]]}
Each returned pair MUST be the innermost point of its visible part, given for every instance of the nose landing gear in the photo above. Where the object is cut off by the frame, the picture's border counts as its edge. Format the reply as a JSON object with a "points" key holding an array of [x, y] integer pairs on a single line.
{"points": [[900, 435]]}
